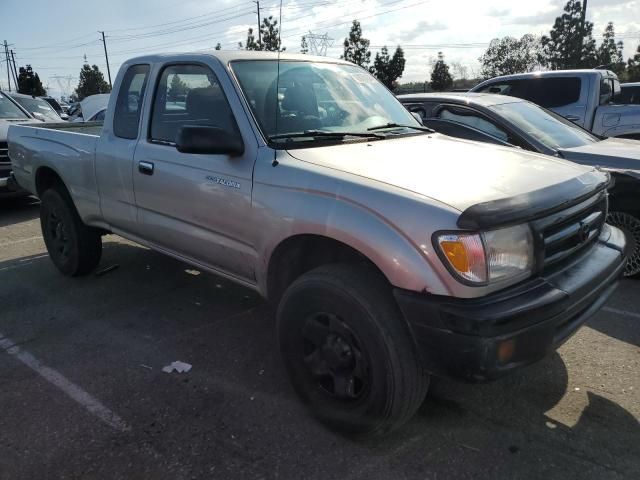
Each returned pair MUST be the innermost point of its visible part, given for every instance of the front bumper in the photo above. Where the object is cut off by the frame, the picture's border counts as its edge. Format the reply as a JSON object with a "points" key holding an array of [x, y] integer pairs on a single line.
{"points": [[9, 186], [485, 338]]}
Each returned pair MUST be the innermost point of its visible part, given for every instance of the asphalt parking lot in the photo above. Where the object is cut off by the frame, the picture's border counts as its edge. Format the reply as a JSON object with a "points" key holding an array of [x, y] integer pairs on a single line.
{"points": [[83, 394]]}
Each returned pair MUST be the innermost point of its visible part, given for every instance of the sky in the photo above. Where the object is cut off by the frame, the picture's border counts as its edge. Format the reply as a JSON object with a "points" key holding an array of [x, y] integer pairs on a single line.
{"points": [[53, 37]]}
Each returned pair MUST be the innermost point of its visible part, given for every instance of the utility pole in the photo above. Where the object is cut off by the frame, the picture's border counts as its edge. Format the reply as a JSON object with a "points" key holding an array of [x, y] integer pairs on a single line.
{"points": [[6, 54], [15, 70], [106, 56], [584, 16], [257, 2]]}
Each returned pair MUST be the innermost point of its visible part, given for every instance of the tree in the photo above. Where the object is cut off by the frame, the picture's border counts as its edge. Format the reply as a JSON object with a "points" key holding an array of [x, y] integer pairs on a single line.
{"points": [[304, 46], [569, 45], [610, 52], [91, 82], [440, 77], [270, 33], [218, 46], [388, 69], [356, 47], [508, 55], [177, 89], [633, 67], [251, 43], [29, 82]]}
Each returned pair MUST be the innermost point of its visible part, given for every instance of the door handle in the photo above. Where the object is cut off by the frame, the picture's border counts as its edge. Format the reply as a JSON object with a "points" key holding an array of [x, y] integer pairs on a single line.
{"points": [[146, 168], [573, 118]]}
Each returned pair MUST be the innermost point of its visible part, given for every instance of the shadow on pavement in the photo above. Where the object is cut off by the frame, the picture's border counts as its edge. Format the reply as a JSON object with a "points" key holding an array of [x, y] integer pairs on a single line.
{"points": [[236, 412], [17, 210]]}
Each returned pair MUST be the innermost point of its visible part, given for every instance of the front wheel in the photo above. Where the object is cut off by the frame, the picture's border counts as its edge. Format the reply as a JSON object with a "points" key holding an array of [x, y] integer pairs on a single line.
{"points": [[74, 248], [630, 225], [349, 352]]}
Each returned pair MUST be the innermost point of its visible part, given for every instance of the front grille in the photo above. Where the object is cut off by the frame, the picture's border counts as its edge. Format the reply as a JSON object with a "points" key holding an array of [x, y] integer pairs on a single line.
{"points": [[4, 153], [563, 235]]}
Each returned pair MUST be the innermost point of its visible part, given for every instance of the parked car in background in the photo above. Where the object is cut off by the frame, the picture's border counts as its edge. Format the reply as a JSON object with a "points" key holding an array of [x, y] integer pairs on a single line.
{"points": [[73, 110], [92, 108], [510, 121], [64, 105], [590, 98], [37, 107], [391, 251], [10, 113], [630, 93], [56, 106]]}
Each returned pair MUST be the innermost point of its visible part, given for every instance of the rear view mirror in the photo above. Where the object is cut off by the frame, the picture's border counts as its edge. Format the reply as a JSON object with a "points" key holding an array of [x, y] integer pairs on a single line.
{"points": [[208, 140]]}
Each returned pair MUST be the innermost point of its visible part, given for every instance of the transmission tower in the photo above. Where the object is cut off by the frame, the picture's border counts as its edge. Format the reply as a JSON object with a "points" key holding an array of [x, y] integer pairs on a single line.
{"points": [[318, 44], [64, 83]]}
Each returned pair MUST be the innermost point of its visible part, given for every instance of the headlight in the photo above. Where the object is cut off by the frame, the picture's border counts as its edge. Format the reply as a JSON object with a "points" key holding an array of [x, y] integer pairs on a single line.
{"points": [[505, 254]]}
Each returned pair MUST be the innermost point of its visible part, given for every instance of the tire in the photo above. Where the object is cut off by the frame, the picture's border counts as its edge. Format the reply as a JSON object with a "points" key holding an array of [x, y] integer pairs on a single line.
{"points": [[630, 225], [348, 351], [74, 248]]}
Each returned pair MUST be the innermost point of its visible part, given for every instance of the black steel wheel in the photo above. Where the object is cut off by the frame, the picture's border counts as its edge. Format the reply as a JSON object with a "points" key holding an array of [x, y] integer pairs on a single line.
{"points": [[74, 248], [348, 351], [630, 225]]}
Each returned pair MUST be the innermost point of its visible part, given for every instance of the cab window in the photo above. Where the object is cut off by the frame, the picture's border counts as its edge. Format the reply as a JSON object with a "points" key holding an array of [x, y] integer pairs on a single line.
{"points": [[188, 95]]}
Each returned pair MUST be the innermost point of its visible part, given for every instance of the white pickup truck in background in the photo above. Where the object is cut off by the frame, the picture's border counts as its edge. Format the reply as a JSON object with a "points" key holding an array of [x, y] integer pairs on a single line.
{"points": [[587, 97]]}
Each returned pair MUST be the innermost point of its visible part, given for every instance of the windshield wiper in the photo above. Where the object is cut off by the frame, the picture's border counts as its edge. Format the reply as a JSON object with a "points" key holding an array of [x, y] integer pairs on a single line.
{"points": [[325, 134], [399, 125]]}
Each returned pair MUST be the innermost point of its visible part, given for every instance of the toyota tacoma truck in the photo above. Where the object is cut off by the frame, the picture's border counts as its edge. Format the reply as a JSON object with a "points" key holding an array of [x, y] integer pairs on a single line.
{"points": [[392, 253]]}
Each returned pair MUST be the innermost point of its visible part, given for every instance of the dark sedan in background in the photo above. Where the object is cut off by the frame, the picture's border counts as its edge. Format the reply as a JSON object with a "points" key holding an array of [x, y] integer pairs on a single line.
{"points": [[516, 123]]}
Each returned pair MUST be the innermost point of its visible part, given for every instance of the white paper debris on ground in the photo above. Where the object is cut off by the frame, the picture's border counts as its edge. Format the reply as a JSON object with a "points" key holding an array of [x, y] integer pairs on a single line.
{"points": [[178, 366]]}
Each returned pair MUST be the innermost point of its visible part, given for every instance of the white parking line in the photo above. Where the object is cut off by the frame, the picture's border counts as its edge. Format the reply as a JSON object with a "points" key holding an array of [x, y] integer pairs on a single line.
{"points": [[72, 390], [22, 240], [621, 312]]}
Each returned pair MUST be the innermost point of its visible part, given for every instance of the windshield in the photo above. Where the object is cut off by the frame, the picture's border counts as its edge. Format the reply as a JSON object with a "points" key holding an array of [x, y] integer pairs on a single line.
{"points": [[39, 108], [8, 109], [548, 128], [317, 97]]}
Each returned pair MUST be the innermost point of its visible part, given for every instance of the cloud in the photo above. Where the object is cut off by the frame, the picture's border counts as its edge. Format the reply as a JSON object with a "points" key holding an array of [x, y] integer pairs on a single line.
{"points": [[421, 28], [540, 18], [498, 12]]}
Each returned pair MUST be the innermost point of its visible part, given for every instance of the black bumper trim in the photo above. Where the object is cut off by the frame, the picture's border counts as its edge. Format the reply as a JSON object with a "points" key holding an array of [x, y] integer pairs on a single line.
{"points": [[482, 339]]}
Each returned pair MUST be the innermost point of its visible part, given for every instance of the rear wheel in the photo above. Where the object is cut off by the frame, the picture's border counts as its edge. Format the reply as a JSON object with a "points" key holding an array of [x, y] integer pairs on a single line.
{"points": [[630, 225], [74, 248], [348, 351]]}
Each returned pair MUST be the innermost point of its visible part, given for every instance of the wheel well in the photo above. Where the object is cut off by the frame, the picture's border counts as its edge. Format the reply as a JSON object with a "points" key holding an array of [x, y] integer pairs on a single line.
{"points": [[624, 195], [47, 178], [302, 253]]}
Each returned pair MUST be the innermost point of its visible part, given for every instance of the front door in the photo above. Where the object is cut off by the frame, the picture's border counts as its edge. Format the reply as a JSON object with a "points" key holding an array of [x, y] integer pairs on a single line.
{"points": [[197, 206]]}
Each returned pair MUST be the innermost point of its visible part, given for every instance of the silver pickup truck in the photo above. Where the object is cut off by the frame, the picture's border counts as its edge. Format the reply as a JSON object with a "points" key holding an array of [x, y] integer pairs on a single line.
{"points": [[392, 253]]}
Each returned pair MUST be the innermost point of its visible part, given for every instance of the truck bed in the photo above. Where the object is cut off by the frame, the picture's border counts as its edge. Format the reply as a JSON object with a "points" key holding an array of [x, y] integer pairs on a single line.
{"points": [[61, 147], [85, 128]]}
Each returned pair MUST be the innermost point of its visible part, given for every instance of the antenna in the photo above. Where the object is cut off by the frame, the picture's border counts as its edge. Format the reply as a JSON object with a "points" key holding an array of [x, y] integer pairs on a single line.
{"points": [[277, 109], [318, 44]]}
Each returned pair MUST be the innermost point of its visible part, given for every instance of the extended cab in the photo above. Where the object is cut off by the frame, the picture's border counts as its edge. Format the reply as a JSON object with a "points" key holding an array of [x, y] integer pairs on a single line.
{"points": [[392, 252], [590, 98]]}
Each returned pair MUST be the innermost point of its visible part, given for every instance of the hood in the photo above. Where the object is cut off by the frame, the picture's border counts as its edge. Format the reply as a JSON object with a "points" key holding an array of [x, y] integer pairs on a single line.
{"points": [[612, 153], [456, 172], [4, 125], [93, 104]]}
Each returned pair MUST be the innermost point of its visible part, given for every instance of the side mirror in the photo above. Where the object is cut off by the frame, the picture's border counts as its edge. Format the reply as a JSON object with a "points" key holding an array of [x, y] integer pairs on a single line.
{"points": [[208, 140], [418, 117]]}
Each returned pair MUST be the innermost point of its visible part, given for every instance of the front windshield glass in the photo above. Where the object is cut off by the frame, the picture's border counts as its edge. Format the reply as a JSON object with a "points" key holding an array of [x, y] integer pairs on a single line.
{"points": [[548, 128], [39, 108], [8, 109], [318, 97]]}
